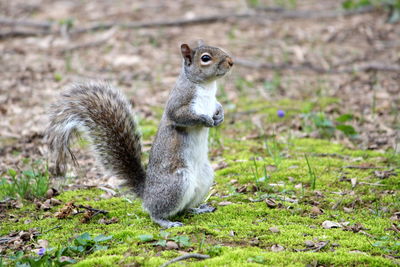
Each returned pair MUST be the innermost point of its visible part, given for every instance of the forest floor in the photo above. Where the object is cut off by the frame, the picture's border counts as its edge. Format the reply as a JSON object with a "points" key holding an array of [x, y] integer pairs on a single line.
{"points": [[317, 185]]}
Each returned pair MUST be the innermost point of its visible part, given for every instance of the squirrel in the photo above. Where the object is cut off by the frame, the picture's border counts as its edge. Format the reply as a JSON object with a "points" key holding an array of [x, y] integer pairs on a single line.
{"points": [[179, 174]]}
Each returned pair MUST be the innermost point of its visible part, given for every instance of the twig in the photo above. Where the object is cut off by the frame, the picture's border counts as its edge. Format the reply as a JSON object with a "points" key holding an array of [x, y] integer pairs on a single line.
{"points": [[5, 240], [315, 14], [27, 23], [372, 184], [55, 227], [333, 155], [395, 228], [279, 14], [162, 23], [21, 33], [367, 234], [363, 167], [321, 247], [318, 248], [368, 66], [186, 256], [93, 209]]}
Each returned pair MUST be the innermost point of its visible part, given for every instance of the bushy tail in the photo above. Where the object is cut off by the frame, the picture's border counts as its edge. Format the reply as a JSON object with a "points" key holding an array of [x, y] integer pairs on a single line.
{"points": [[104, 115]]}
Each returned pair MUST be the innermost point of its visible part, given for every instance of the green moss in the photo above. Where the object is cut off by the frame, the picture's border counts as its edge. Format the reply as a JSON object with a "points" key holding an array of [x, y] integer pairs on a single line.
{"points": [[242, 228]]}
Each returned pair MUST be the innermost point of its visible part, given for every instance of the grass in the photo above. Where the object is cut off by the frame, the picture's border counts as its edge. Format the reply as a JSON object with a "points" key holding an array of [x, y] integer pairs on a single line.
{"points": [[238, 234], [311, 174], [28, 184]]}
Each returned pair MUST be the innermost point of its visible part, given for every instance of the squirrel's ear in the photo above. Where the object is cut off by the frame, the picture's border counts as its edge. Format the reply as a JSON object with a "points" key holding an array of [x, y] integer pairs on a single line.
{"points": [[186, 53]]}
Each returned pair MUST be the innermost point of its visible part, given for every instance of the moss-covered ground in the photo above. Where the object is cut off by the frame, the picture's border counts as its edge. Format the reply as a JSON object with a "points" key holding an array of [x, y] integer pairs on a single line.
{"points": [[253, 166]]}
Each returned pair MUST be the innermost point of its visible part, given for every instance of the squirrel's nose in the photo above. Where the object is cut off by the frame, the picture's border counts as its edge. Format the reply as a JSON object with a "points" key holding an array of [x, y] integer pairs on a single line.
{"points": [[230, 61]]}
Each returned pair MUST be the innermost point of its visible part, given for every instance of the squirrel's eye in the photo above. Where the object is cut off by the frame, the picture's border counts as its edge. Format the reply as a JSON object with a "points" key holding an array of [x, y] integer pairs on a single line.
{"points": [[205, 58]]}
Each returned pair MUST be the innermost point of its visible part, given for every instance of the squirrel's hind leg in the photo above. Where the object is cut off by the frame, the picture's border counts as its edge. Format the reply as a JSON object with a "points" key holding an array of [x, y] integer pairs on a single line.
{"points": [[166, 223]]}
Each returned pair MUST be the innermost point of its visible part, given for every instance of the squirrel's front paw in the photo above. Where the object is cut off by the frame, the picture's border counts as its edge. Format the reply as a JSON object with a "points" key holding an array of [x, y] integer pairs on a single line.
{"points": [[218, 117], [207, 121]]}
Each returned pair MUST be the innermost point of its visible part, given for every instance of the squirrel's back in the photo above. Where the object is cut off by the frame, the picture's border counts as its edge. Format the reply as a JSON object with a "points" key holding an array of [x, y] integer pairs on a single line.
{"points": [[104, 115]]}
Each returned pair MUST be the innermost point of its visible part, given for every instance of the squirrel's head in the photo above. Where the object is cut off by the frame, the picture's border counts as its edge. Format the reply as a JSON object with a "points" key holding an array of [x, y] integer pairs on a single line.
{"points": [[205, 63]]}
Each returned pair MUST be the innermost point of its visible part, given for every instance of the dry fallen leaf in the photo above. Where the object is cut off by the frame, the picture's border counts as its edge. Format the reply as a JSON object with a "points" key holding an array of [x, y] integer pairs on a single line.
{"points": [[65, 211], [316, 211], [385, 174], [108, 221], [224, 203], [43, 243], [171, 245], [274, 229]]}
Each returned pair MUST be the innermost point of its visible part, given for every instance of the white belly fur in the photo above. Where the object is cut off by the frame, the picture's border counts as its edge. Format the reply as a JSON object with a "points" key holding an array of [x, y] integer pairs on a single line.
{"points": [[199, 175]]}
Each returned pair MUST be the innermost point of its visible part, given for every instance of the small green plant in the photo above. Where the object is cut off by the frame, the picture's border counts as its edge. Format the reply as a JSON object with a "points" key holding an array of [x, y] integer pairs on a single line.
{"points": [[163, 238], [272, 86], [48, 257], [82, 245], [393, 7], [242, 84], [318, 121], [311, 174], [275, 152], [214, 251], [258, 179], [85, 244], [257, 259], [68, 23], [28, 184], [57, 77], [215, 138], [388, 245]]}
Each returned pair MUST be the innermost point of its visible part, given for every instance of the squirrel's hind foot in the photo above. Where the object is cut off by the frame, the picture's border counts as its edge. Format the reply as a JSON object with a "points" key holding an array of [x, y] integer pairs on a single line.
{"points": [[204, 208], [167, 224]]}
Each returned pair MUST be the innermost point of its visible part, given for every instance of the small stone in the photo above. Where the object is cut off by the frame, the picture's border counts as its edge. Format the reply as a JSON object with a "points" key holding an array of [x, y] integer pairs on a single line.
{"points": [[172, 245], [271, 203], [330, 224], [55, 202], [46, 205], [347, 210], [274, 229], [309, 243], [277, 248], [51, 193], [298, 186], [224, 203]]}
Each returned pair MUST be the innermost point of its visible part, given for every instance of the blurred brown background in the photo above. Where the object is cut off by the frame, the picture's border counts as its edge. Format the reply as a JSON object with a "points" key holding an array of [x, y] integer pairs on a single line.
{"points": [[298, 50]]}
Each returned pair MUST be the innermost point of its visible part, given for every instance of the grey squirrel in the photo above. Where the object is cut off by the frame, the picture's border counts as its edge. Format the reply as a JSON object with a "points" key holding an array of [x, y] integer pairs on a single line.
{"points": [[179, 174]]}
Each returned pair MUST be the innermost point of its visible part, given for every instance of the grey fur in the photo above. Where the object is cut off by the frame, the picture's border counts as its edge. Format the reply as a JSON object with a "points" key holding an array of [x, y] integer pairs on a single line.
{"points": [[104, 114]]}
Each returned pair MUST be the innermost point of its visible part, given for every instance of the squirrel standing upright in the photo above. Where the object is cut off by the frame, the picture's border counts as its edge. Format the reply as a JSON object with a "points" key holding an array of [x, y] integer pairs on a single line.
{"points": [[179, 174]]}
